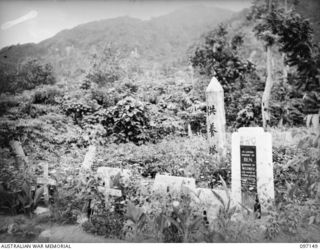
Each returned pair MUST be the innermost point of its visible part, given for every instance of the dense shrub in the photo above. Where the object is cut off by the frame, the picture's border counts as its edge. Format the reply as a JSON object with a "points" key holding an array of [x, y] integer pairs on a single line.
{"points": [[30, 74], [108, 224], [46, 95], [128, 121], [218, 55], [177, 157], [7, 79], [7, 102], [105, 67], [106, 97], [79, 104], [34, 73], [287, 107]]}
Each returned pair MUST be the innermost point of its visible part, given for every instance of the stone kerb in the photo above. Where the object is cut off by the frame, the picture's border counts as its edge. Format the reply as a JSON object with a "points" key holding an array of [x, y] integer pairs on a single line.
{"points": [[264, 167], [202, 197], [166, 183]]}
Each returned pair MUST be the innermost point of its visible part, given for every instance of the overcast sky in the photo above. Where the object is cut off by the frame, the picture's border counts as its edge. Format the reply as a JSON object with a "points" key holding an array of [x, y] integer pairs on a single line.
{"points": [[33, 21]]}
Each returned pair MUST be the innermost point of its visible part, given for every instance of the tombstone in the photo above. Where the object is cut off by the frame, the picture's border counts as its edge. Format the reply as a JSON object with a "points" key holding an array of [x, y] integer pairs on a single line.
{"points": [[89, 157], [107, 174], [87, 162], [45, 181], [252, 169], [166, 183], [216, 118]]}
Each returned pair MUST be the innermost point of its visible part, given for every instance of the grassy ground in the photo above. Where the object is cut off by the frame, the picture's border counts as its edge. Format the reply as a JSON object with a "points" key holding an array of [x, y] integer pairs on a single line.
{"points": [[179, 156]]}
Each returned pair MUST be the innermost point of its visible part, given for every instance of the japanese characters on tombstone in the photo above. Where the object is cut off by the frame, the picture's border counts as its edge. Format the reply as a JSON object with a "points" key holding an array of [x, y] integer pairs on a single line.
{"points": [[252, 170], [216, 118]]}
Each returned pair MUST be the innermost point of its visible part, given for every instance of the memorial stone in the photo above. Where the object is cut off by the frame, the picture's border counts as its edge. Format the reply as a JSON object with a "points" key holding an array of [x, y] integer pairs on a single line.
{"points": [[252, 170], [107, 175], [166, 183], [216, 118]]}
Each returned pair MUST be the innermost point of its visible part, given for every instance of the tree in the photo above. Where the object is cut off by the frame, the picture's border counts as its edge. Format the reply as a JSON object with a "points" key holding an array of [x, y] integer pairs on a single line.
{"points": [[217, 55], [263, 14], [105, 67], [30, 73], [293, 34], [33, 73]]}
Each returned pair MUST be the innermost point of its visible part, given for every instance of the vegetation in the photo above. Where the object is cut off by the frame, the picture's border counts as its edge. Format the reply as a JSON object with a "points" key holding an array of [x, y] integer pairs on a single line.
{"points": [[30, 74], [152, 120]]}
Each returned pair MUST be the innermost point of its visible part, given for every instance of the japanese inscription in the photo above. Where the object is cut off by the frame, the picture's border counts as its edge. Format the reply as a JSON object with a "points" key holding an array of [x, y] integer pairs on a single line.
{"points": [[212, 130], [211, 110]]}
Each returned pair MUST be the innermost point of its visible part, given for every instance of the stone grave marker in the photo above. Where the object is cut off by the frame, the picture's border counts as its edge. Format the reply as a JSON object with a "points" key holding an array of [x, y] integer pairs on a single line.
{"points": [[166, 183], [89, 157], [45, 181], [252, 169], [107, 174], [216, 118]]}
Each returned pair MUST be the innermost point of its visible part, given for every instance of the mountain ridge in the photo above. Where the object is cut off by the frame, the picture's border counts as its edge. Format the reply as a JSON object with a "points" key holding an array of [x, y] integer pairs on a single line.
{"points": [[163, 38]]}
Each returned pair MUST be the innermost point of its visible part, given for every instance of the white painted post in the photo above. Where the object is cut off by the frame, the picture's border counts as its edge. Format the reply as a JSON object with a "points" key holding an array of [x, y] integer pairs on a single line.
{"points": [[89, 158], [189, 130], [216, 118]]}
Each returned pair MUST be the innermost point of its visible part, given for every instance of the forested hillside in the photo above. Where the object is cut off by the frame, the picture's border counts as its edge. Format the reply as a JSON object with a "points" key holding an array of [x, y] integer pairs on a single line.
{"points": [[132, 96], [159, 40]]}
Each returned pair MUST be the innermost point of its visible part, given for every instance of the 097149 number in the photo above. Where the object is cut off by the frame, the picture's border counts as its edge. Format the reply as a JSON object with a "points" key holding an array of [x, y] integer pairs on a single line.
{"points": [[308, 245]]}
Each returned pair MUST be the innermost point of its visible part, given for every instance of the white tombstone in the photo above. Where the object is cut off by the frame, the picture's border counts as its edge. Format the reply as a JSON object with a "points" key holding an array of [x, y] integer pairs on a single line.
{"points": [[89, 157], [252, 167], [166, 183], [107, 174], [216, 117]]}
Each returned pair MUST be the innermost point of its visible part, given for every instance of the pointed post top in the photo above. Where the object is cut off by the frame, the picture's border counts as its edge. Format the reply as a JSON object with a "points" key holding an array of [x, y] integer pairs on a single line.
{"points": [[214, 86]]}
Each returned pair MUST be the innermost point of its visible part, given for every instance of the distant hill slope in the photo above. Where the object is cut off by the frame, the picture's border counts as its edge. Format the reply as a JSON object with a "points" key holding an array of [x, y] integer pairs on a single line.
{"points": [[311, 10], [160, 39]]}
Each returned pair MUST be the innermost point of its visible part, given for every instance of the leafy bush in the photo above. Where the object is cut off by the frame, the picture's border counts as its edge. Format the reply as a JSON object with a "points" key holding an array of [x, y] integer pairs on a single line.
{"points": [[128, 121], [108, 224], [287, 107], [78, 104], [46, 95], [218, 55], [105, 67], [34, 73], [30, 74], [177, 157], [105, 97], [7, 102], [245, 117]]}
